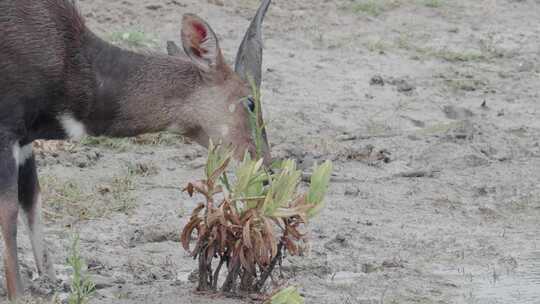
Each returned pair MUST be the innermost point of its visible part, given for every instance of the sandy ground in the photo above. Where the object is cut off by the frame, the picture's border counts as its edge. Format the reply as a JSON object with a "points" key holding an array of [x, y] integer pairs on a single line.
{"points": [[429, 109]]}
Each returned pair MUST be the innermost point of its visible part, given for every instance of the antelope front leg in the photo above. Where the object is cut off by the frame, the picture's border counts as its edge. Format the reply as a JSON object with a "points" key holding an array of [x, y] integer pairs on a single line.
{"points": [[30, 199], [9, 210]]}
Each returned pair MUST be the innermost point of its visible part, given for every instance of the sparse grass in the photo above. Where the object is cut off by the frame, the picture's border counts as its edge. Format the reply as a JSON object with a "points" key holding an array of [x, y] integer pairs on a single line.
{"points": [[81, 287], [377, 128], [37, 300], [143, 169], [440, 128], [372, 8], [63, 199], [404, 43], [116, 144], [134, 39], [489, 46], [432, 3], [458, 56], [464, 84], [377, 46], [122, 200], [161, 138], [66, 199], [123, 144]]}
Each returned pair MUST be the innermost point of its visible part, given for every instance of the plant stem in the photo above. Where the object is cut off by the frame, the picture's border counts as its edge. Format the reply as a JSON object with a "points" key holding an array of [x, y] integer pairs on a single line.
{"points": [[266, 273], [216, 274], [228, 285], [205, 270], [246, 282]]}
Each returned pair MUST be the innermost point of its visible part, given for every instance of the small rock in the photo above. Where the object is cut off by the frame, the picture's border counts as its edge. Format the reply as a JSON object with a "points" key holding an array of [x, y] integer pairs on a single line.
{"points": [[340, 238], [457, 113], [216, 2], [352, 191], [369, 268], [119, 280], [402, 85], [393, 264], [178, 3], [153, 234], [376, 80], [102, 282], [338, 242], [154, 7]]}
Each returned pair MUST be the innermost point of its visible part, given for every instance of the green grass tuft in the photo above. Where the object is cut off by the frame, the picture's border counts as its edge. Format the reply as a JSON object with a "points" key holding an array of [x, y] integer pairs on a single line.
{"points": [[373, 8], [81, 287], [432, 3]]}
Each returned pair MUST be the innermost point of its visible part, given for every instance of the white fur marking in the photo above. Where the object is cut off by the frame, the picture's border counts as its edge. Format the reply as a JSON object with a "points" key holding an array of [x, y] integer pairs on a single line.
{"points": [[26, 153], [224, 130], [73, 128], [232, 107], [22, 154], [17, 153]]}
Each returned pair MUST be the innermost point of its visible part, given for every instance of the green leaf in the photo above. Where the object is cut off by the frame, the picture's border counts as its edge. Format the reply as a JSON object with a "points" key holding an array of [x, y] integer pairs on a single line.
{"points": [[282, 188], [249, 177], [289, 295], [218, 157], [320, 180]]}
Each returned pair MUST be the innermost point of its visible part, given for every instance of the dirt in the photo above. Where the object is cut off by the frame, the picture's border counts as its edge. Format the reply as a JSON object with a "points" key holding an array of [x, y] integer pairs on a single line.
{"points": [[430, 111]]}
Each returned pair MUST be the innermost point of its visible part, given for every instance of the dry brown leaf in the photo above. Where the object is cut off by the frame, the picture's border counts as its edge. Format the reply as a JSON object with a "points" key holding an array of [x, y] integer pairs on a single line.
{"points": [[246, 234], [185, 238]]}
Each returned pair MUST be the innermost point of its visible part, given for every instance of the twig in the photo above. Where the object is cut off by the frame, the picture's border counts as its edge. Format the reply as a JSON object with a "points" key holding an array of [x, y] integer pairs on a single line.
{"points": [[306, 177], [156, 186], [350, 137], [418, 173]]}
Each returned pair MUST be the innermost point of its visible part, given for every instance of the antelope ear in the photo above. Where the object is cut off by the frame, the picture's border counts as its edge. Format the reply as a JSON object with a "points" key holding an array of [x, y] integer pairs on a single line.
{"points": [[249, 58], [200, 42], [173, 49]]}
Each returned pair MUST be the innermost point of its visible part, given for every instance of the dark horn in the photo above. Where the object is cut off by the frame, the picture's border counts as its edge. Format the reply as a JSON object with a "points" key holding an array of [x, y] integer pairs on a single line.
{"points": [[249, 58]]}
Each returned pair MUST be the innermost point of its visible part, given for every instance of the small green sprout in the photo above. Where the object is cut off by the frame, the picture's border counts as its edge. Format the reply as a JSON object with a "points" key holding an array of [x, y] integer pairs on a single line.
{"points": [[288, 295], [81, 288]]}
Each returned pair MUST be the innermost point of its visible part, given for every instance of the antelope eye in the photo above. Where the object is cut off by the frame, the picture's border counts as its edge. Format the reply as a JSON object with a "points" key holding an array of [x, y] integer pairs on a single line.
{"points": [[251, 104]]}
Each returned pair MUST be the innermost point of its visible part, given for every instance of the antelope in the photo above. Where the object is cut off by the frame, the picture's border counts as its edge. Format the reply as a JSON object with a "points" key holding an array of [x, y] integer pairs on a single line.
{"points": [[59, 81]]}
